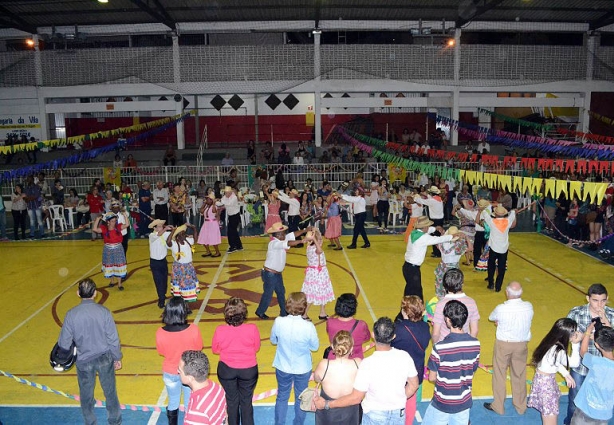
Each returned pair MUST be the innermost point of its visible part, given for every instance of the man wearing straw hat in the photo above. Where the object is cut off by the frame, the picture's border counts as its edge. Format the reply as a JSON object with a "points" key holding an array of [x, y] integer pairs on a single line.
{"points": [[233, 211], [294, 207], [157, 257], [499, 243], [274, 265], [419, 239], [435, 210]]}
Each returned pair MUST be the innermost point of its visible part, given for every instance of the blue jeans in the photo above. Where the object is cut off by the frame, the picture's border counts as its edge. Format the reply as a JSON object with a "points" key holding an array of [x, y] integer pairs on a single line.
{"points": [[433, 416], [36, 217], [384, 417], [86, 375], [285, 381], [173, 389], [272, 282], [573, 392]]}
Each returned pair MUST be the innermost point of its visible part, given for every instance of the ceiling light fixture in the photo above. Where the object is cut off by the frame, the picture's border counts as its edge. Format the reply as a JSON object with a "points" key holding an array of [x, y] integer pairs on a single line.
{"points": [[103, 1], [29, 42], [451, 42]]}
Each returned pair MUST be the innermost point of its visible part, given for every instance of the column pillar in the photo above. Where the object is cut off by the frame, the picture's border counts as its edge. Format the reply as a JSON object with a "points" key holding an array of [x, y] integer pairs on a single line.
{"points": [[177, 80], [317, 92], [456, 92]]}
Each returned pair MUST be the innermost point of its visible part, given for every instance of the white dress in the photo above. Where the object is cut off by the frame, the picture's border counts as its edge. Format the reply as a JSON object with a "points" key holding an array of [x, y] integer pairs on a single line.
{"points": [[317, 285]]}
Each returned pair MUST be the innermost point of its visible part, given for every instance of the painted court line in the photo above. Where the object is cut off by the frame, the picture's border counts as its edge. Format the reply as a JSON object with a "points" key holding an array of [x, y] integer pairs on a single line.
{"points": [[97, 266], [153, 419], [362, 291]]}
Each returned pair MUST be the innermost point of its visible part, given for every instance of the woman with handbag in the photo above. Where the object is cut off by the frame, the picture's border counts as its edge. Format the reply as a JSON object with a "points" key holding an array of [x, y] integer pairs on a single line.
{"points": [[345, 309], [336, 378], [412, 336]]}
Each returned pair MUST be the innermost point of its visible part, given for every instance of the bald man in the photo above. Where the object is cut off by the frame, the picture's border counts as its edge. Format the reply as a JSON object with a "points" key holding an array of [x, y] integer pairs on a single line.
{"points": [[513, 320]]}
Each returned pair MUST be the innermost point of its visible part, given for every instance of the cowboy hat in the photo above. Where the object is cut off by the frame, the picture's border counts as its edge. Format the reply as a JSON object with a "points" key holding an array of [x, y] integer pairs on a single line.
{"points": [[500, 211], [294, 192], [156, 222], [275, 193], [435, 190], [277, 227], [228, 189], [180, 229], [483, 203], [211, 196], [452, 230], [423, 221]]}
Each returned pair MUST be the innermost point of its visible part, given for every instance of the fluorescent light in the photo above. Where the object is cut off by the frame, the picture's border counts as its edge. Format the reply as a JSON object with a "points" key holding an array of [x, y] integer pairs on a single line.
{"points": [[103, 1]]}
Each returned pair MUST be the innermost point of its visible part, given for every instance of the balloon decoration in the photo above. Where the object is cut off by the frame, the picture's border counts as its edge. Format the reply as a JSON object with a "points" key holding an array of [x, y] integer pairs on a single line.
{"points": [[154, 127], [586, 191]]}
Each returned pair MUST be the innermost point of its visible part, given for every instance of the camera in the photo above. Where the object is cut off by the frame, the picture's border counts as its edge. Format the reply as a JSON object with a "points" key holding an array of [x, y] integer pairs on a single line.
{"points": [[598, 324]]}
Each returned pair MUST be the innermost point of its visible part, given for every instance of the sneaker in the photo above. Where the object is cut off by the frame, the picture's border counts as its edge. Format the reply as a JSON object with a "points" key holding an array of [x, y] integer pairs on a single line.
{"points": [[239, 249], [231, 250], [367, 245]]}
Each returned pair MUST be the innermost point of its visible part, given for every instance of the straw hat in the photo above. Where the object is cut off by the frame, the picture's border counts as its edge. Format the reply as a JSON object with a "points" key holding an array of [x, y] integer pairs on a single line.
{"points": [[452, 230], [179, 229], [500, 211], [435, 190], [483, 203], [211, 196], [423, 221], [275, 193], [156, 222], [277, 227], [115, 203], [294, 192], [108, 216], [228, 189]]}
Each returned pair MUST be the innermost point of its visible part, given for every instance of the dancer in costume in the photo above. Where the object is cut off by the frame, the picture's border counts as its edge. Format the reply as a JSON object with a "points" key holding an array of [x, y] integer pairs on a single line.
{"points": [[184, 282], [317, 285]]}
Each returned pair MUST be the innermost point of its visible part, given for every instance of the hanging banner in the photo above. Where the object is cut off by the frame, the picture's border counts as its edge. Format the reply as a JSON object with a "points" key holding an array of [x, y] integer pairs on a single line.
{"points": [[113, 175], [20, 125]]}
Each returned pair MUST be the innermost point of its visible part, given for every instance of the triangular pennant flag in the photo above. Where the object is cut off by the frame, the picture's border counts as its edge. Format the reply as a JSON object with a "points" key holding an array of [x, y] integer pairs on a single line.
{"points": [[600, 192], [527, 184], [561, 187], [587, 189], [551, 188], [575, 189], [516, 183], [536, 186]]}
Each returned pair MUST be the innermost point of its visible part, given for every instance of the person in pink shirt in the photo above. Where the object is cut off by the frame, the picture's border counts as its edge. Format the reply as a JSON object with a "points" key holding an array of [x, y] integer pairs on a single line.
{"points": [[237, 343], [453, 285], [345, 309], [172, 340]]}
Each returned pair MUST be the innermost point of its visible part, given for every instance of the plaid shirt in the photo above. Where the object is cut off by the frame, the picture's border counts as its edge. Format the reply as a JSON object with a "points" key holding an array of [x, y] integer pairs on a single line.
{"points": [[582, 316]]}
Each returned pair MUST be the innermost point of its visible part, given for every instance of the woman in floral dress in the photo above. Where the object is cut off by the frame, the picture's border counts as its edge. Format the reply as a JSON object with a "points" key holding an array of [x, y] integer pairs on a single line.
{"points": [[317, 285], [184, 282]]}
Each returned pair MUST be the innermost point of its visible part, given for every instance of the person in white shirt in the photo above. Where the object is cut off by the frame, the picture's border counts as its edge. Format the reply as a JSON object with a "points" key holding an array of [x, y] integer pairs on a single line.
{"points": [[435, 210], [384, 382], [122, 218], [160, 196], [272, 279], [551, 357], [228, 160], [360, 214], [513, 320], [233, 210], [294, 208], [157, 257], [419, 239], [483, 146], [499, 243]]}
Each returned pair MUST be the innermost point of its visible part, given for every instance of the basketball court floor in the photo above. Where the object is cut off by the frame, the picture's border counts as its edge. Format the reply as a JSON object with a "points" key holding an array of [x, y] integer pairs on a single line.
{"points": [[38, 283]]}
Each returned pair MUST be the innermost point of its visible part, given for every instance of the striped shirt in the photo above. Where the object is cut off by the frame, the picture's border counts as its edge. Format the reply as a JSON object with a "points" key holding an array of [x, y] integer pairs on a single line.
{"points": [[207, 406], [455, 359], [513, 319]]}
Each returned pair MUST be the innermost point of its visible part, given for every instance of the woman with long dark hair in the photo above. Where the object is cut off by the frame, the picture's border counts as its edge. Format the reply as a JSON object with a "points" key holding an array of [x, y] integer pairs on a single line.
{"points": [[237, 343], [551, 357], [175, 337], [113, 256]]}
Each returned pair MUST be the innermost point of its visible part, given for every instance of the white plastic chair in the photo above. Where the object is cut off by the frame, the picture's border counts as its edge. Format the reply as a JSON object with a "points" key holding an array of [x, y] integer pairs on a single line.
{"points": [[56, 213], [394, 211]]}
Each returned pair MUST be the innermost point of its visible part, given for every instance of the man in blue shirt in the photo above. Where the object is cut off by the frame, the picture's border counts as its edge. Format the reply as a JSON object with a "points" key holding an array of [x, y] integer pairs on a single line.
{"points": [[595, 400], [92, 328]]}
